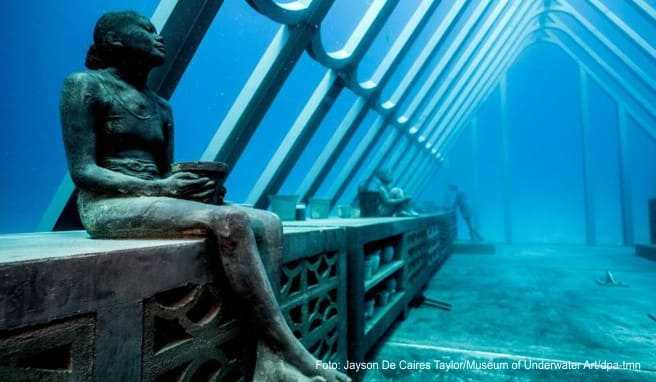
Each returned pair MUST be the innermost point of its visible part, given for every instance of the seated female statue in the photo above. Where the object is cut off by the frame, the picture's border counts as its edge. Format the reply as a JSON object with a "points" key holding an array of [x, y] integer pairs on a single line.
{"points": [[119, 144]]}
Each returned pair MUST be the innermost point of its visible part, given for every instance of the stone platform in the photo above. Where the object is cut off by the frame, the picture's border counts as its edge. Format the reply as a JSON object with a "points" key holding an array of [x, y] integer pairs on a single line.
{"points": [[646, 251], [78, 309], [419, 245]]}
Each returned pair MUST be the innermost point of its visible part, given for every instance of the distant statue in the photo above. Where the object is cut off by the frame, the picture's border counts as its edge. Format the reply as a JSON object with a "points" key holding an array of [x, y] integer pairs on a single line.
{"points": [[119, 142], [393, 201], [456, 200]]}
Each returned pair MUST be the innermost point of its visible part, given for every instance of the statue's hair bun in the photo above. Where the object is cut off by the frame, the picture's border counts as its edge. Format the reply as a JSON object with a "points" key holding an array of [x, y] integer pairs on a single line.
{"points": [[94, 58]]}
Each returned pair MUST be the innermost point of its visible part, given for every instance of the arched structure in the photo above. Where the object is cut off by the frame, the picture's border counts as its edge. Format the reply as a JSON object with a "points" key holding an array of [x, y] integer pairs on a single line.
{"points": [[464, 60]]}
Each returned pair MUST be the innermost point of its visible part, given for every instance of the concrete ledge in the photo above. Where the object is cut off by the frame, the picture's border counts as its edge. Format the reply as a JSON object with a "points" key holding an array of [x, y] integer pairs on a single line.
{"points": [[420, 245], [75, 308], [646, 251]]}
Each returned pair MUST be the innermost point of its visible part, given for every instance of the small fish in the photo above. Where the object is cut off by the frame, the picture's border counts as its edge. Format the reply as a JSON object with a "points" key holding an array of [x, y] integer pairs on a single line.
{"points": [[609, 280], [652, 316]]}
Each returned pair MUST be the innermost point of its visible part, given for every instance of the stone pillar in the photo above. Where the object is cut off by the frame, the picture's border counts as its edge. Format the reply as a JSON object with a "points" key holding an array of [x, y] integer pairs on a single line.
{"points": [[652, 220]]}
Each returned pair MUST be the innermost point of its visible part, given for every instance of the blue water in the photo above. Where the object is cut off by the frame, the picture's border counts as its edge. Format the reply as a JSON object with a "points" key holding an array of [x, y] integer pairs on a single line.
{"points": [[46, 40]]}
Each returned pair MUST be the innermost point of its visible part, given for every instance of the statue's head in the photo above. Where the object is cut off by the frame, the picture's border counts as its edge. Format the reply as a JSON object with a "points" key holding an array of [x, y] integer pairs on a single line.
{"points": [[385, 176], [397, 193], [122, 36]]}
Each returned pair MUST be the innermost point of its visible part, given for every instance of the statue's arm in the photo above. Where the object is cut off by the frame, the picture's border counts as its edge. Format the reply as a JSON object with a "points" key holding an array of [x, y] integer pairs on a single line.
{"points": [[79, 129], [389, 200], [168, 134], [398, 201]]}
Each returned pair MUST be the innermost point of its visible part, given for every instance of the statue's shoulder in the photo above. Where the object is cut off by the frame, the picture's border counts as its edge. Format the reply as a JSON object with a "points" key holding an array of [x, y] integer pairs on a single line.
{"points": [[163, 102], [87, 81]]}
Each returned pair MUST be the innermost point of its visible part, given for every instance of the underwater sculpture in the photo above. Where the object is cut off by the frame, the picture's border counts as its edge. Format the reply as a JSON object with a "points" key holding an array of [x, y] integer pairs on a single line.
{"points": [[457, 200], [119, 144], [393, 201]]}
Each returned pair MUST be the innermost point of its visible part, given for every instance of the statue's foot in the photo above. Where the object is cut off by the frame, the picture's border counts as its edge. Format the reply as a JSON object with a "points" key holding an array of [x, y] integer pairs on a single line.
{"points": [[332, 375], [311, 366], [271, 367]]}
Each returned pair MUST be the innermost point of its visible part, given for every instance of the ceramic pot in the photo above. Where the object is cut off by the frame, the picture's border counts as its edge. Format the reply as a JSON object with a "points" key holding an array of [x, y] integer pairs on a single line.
{"points": [[284, 206], [319, 208], [388, 254], [382, 298], [216, 171]]}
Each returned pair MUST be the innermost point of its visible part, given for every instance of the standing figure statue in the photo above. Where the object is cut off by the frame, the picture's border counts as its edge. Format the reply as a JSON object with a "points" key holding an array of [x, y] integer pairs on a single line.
{"points": [[393, 201], [119, 143], [457, 200]]}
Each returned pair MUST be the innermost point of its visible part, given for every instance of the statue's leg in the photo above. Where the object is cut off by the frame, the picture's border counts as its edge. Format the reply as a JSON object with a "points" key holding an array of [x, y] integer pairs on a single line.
{"points": [[232, 227], [246, 274], [267, 229]]}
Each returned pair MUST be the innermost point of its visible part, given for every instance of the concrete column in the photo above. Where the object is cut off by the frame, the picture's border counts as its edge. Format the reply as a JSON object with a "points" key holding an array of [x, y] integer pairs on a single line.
{"points": [[475, 192], [625, 179], [590, 229], [507, 185]]}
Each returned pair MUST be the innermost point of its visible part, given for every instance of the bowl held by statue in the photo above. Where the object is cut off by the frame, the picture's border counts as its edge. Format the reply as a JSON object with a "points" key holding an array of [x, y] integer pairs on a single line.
{"points": [[216, 171]]}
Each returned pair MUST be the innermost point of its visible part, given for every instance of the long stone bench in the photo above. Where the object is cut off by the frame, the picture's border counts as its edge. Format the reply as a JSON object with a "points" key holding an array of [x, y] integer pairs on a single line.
{"points": [[77, 309], [420, 246]]}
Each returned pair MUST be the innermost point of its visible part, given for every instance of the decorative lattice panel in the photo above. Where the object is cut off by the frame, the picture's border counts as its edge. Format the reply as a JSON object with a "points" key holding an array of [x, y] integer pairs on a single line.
{"points": [[446, 232], [191, 334], [59, 351], [417, 251], [435, 247], [310, 303]]}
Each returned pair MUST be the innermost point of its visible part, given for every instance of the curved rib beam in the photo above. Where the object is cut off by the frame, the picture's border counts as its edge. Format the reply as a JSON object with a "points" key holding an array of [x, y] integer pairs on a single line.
{"points": [[624, 27], [460, 98], [489, 81], [445, 59], [359, 41], [296, 12], [567, 9], [352, 120], [490, 47]]}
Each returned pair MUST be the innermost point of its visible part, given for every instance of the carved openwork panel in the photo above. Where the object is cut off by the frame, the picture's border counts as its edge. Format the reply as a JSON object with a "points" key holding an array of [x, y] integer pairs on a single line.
{"points": [[59, 351], [435, 247], [309, 300], [447, 231], [303, 275], [417, 251], [191, 334], [313, 320]]}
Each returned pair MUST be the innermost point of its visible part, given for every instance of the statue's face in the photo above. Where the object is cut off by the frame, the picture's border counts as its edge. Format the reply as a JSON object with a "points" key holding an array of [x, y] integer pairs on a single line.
{"points": [[140, 38], [385, 177]]}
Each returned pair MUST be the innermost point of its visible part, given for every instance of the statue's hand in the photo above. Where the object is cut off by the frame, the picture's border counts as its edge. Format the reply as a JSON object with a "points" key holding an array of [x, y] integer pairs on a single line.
{"points": [[183, 184], [221, 193]]}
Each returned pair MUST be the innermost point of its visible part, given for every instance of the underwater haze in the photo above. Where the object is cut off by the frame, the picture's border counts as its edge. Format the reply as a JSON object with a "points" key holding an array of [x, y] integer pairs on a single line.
{"points": [[529, 168]]}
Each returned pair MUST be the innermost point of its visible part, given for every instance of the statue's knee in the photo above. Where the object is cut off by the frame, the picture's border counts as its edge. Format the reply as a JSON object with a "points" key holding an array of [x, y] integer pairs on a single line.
{"points": [[229, 222], [237, 220], [271, 220]]}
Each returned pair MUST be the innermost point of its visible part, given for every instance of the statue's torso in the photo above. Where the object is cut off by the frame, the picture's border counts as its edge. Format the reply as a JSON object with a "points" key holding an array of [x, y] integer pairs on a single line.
{"points": [[130, 124]]}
